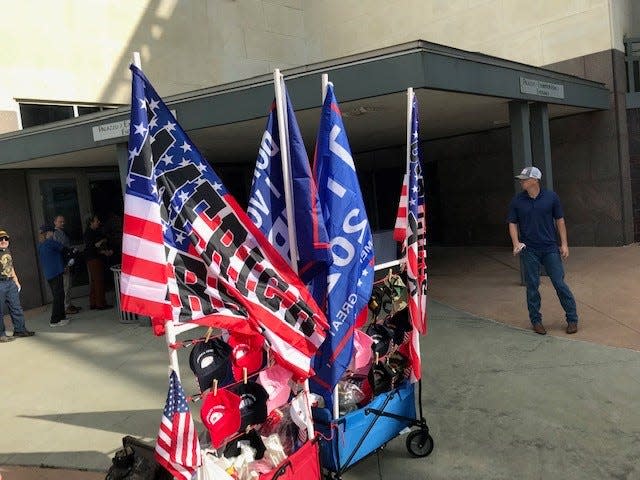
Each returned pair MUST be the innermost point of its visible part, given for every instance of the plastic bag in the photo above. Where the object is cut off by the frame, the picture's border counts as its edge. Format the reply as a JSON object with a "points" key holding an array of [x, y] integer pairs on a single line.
{"points": [[213, 467]]}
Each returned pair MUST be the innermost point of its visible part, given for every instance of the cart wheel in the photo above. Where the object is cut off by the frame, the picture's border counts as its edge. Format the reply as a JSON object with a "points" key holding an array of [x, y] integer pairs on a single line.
{"points": [[419, 443]]}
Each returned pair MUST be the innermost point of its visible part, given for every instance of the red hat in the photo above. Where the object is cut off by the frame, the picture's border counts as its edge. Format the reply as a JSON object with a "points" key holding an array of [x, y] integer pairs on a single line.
{"points": [[246, 352], [220, 413]]}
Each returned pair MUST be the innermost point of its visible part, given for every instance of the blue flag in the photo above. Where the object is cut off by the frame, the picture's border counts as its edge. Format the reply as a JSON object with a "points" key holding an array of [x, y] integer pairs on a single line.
{"points": [[267, 206], [350, 276]]}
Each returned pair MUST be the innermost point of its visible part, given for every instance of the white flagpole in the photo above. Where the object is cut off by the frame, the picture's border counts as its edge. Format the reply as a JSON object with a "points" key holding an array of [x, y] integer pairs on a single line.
{"points": [[283, 132], [409, 105], [169, 332], [336, 400]]}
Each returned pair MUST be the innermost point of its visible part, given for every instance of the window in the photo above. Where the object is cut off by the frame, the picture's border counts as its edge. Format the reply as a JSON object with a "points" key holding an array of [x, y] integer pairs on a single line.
{"points": [[33, 114]]}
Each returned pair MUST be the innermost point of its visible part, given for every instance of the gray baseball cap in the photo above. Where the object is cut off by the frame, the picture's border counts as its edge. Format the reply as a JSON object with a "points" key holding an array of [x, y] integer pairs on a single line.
{"points": [[530, 172]]}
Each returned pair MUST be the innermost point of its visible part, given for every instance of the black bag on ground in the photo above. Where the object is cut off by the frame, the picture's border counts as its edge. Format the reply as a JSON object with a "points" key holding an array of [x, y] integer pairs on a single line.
{"points": [[136, 461]]}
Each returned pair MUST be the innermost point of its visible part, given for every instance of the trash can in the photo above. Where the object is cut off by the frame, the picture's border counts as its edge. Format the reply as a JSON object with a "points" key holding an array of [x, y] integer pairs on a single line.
{"points": [[125, 317]]}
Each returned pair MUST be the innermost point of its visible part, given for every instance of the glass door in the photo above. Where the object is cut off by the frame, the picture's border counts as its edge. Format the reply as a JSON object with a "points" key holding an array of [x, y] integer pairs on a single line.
{"points": [[63, 194]]}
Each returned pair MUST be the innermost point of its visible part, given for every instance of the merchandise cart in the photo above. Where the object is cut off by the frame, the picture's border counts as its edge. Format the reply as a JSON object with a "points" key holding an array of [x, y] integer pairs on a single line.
{"points": [[352, 437]]}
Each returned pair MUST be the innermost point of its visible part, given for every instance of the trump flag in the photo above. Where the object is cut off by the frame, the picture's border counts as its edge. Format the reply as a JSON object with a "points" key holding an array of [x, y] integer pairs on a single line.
{"points": [[267, 206], [350, 275], [190, 254]]}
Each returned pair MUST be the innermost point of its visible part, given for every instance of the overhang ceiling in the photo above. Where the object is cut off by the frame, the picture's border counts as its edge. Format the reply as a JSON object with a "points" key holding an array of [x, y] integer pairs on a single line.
{"points": [[371, 124]]}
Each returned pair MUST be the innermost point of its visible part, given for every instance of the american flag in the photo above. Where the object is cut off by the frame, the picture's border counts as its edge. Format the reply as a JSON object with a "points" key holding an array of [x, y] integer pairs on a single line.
{"points": [[177, 446], [411, 231], [191, 254]]}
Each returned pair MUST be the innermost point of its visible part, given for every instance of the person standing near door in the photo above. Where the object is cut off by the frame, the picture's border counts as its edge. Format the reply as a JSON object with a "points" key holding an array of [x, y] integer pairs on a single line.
{"points": [[536, 220], [95, 251], [9, 293], [59, 235], [51, 254]]}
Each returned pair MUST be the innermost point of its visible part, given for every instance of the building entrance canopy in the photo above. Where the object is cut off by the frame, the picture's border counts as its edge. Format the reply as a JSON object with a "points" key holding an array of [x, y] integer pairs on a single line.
{"points": [[459, 92]]}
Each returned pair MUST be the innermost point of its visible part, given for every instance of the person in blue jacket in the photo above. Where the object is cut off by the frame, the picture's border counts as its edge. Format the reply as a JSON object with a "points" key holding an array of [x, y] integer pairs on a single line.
{"points": [[51, 255], [536, 220]]}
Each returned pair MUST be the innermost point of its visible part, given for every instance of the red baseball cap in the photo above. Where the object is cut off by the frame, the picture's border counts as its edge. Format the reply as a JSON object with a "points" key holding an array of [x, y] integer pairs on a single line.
{"points": [[246, 352], [220, 413]]}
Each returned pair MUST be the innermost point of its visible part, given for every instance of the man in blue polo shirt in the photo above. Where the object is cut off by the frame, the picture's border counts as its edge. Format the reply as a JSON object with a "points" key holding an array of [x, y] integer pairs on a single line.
{"points": [[535, 222]]}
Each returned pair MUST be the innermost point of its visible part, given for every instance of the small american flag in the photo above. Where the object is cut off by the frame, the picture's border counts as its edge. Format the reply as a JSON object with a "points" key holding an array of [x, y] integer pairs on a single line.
{"points": [[177, 446]]}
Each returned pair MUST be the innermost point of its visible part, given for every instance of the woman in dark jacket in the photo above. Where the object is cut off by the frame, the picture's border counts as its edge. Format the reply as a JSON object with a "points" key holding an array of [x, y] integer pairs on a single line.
{"points": [[95, 251]]}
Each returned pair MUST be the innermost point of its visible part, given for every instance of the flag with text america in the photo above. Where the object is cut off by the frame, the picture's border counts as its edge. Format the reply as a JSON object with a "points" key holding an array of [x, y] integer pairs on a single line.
{"points": [[267, 206], [415, 243], [191, 254], [350, 275], [177, 445]]}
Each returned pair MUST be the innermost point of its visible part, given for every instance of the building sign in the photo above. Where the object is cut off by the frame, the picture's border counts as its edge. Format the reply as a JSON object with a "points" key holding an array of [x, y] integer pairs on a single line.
{"points": [[540, 88], [107, 131], [111, 130]]}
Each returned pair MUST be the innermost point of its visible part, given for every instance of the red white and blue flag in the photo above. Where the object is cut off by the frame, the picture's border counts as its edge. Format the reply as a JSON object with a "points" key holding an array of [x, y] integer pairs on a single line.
{"points": [[177, 445], [411, 231], [350, 275], [268, 210], [191, 254]]}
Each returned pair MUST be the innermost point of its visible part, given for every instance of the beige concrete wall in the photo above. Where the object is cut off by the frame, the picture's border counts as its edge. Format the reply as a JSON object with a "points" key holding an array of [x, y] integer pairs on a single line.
{"points": [[536, 32], [79, 50]]}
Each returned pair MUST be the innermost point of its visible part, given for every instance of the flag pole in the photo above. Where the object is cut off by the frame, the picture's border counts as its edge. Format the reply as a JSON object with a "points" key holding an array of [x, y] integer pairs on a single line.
{"points": [[336, 403], [283, 133], [409, 104], [169, 332]]}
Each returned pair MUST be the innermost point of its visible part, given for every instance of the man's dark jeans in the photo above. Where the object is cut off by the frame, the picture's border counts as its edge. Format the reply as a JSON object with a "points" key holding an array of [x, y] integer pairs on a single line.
{"points": [[9, 295], [57, 290], [531, 260]]}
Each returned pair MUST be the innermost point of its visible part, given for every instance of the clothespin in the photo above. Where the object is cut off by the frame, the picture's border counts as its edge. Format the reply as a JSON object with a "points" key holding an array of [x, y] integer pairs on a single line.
{"points": [[244, 374], [209, 332], [215, 387]]}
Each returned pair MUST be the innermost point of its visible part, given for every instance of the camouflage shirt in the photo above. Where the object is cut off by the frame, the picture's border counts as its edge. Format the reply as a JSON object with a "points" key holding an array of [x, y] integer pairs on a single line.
{"points": [[6, 264]]}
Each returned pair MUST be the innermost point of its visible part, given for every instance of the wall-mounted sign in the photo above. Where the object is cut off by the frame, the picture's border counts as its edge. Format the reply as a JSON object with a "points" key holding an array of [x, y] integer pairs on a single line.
{"points": [[110, 130], [540, 88], [107, 131]]}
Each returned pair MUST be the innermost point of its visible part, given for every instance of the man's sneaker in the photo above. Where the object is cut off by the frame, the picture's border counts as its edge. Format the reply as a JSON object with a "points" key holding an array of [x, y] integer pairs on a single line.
{"points": [[5, 339], [25, 333], [71, 310], [60, 323], [572, 327], [539, 328]]}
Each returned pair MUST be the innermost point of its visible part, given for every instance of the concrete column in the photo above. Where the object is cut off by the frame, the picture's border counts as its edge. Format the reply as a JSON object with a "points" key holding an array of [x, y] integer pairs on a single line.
{"points": [[540, 142], [520, 138], [122, 154]]}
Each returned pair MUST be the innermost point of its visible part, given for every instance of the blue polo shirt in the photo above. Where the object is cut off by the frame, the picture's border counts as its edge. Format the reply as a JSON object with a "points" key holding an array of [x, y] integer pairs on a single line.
{"points": [[51, 258], [536, 219]]}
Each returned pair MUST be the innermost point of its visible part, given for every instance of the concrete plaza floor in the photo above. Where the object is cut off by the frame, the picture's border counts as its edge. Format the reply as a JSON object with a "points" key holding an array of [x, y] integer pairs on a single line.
{"points": [[501, 401]]}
